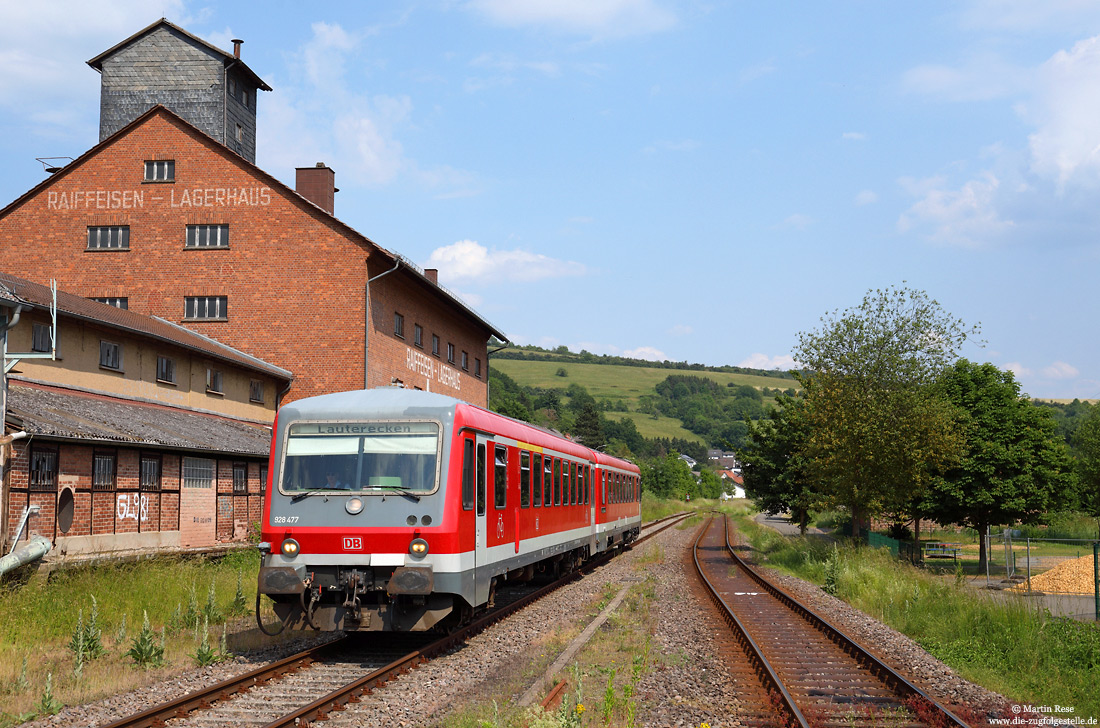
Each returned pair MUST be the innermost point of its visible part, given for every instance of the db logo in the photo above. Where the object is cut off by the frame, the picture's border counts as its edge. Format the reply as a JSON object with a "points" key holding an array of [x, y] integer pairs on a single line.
{"points": [[353, 543]]}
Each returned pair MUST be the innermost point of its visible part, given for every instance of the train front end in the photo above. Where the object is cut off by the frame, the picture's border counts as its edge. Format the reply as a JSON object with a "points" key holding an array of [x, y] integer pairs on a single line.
{"points": [[357, 533]]}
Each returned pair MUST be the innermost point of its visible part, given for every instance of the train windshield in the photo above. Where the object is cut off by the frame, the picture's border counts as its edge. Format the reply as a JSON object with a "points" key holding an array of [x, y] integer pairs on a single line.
{"points": [[376, 457]]}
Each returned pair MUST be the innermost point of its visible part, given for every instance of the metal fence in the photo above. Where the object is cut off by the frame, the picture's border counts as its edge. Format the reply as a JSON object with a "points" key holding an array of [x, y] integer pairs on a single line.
{"points": [[1065, 568]]}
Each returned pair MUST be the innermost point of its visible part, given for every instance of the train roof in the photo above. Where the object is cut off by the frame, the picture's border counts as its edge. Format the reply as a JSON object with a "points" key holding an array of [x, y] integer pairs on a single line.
{"points": [[398, 402]]}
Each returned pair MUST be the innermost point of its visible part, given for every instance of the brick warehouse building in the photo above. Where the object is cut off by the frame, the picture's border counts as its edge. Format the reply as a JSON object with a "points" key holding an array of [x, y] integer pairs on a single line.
{"points": [[165, 219], [140, 434]]}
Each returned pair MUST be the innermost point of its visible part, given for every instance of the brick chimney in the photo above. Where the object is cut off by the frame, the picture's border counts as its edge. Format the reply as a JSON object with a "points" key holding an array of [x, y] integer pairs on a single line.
{"points": [[318, 185], [237, 47], [432, 274]]}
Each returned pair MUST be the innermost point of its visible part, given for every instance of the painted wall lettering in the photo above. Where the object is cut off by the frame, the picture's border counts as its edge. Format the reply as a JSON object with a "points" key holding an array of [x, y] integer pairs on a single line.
{"points": [[425, 366], [68, 200]]}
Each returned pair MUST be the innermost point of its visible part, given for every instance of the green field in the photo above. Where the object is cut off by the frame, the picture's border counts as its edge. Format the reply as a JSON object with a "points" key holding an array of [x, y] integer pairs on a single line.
{"points": [[619, 384]]}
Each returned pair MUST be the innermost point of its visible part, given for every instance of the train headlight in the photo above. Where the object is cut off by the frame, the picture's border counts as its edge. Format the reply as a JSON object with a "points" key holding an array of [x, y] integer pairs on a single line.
{"points": [[354, 506], [418, 547], [289, 548]]}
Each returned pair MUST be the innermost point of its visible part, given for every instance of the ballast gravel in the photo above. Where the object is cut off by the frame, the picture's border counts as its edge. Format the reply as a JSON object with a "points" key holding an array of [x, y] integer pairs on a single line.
{"points": [[687, 685]]}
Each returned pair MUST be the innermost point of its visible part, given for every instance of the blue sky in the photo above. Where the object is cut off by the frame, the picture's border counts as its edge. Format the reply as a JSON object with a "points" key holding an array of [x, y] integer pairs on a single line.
{"points": [[692, 181]]}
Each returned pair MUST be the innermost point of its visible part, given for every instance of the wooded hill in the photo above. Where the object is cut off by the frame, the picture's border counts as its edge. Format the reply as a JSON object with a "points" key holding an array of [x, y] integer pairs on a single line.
{"points": [[674, 405]]}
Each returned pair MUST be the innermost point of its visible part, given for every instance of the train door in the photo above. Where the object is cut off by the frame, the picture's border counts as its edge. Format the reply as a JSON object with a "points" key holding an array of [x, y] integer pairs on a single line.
{"points": [[481, 534], [590, 474]]}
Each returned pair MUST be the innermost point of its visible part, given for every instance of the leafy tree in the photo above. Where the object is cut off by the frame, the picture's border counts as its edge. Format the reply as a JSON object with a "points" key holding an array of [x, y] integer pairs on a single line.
{"points": [[877, 426], [668, 477], [588, 428], [773, 466], [1086, 441], [1014, 467]]}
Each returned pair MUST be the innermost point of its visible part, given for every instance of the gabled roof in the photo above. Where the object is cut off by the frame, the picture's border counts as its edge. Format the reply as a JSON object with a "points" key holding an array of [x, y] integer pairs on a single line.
{"points": [[38, 296], [227, 58], [271, 181]]}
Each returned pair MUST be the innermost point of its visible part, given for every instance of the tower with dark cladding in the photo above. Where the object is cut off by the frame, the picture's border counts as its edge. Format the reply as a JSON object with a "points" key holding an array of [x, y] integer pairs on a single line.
{"points": [[163, 64]]}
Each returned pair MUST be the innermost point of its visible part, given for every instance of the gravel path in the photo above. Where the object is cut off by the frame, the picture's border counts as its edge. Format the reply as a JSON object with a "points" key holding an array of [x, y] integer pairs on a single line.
{"points": [[687, 686]]}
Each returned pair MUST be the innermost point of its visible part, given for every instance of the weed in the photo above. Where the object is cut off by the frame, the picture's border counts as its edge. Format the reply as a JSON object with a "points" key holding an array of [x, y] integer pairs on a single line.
{"points": [[120, 634], [210, 610], [206, 655], [832, 573], [190, 619], [239, 605], [144, 650], [22, 683], [49, 705]]}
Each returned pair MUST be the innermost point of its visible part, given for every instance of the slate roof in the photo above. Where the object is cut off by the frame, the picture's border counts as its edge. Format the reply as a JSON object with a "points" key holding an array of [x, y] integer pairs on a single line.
{"points": [[39, 296], [54, 412], [227, 58]]}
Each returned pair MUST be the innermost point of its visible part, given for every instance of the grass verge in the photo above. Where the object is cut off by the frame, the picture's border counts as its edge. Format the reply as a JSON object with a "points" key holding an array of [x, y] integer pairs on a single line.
{"points": [[1005, 644]]}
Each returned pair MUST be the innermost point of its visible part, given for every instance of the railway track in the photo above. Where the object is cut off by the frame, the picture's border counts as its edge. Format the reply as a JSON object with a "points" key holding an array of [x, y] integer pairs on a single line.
{"points": [[798, 669], [292, 691]]}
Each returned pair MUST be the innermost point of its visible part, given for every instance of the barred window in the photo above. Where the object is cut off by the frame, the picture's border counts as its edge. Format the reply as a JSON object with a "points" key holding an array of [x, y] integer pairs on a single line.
{"points": [[41, 340], [166, 369], [213, 380], [263, 479], [207, 236], [103, 471], [108, 237], [110, 355], [150, 472], [160, 170], [43, 468], [116, 301], [198, 473], [198, 308], [256, 391], [240, 477]]}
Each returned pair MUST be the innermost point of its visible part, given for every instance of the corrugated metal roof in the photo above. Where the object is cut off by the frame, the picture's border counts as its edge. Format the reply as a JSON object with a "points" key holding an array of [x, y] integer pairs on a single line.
{"points": [[52, 412], [40, 296]]}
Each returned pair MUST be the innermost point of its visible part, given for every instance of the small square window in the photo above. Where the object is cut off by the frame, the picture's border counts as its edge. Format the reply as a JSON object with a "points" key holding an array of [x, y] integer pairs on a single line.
{"points": [[256, 391], [160, 170], [207, 236], [103, 471], [108, 237], [150, 472], [41, 340], [110, 355], [240, 478], [435, 345], [206, 307], [418, 335], [166, 369], [213, 380], [116, 301], [399, 325]]}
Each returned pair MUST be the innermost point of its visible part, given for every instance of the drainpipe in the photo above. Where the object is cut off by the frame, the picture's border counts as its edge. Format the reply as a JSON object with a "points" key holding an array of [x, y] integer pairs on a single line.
{"points": [[4, 441], [35, 549], [366, 320]]}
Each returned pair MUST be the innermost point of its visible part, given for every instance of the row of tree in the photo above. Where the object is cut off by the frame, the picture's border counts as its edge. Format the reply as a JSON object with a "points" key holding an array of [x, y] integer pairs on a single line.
{"points": [[891, 422]]}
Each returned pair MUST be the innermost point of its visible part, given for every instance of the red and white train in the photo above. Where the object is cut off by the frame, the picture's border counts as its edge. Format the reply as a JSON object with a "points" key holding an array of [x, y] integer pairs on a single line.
{"points": [[401, 510]]}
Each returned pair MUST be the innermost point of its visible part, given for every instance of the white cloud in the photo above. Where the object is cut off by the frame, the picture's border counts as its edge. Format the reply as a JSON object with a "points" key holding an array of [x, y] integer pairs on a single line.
{"points": [[1060, 370], [597, 18], [763, 361], [1017, 369], [978, 78], [1028, 16], [797, 221], [866, 197], [1064, 109], [648, 353], [469, 261], [965, 216], [43, 50]]}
